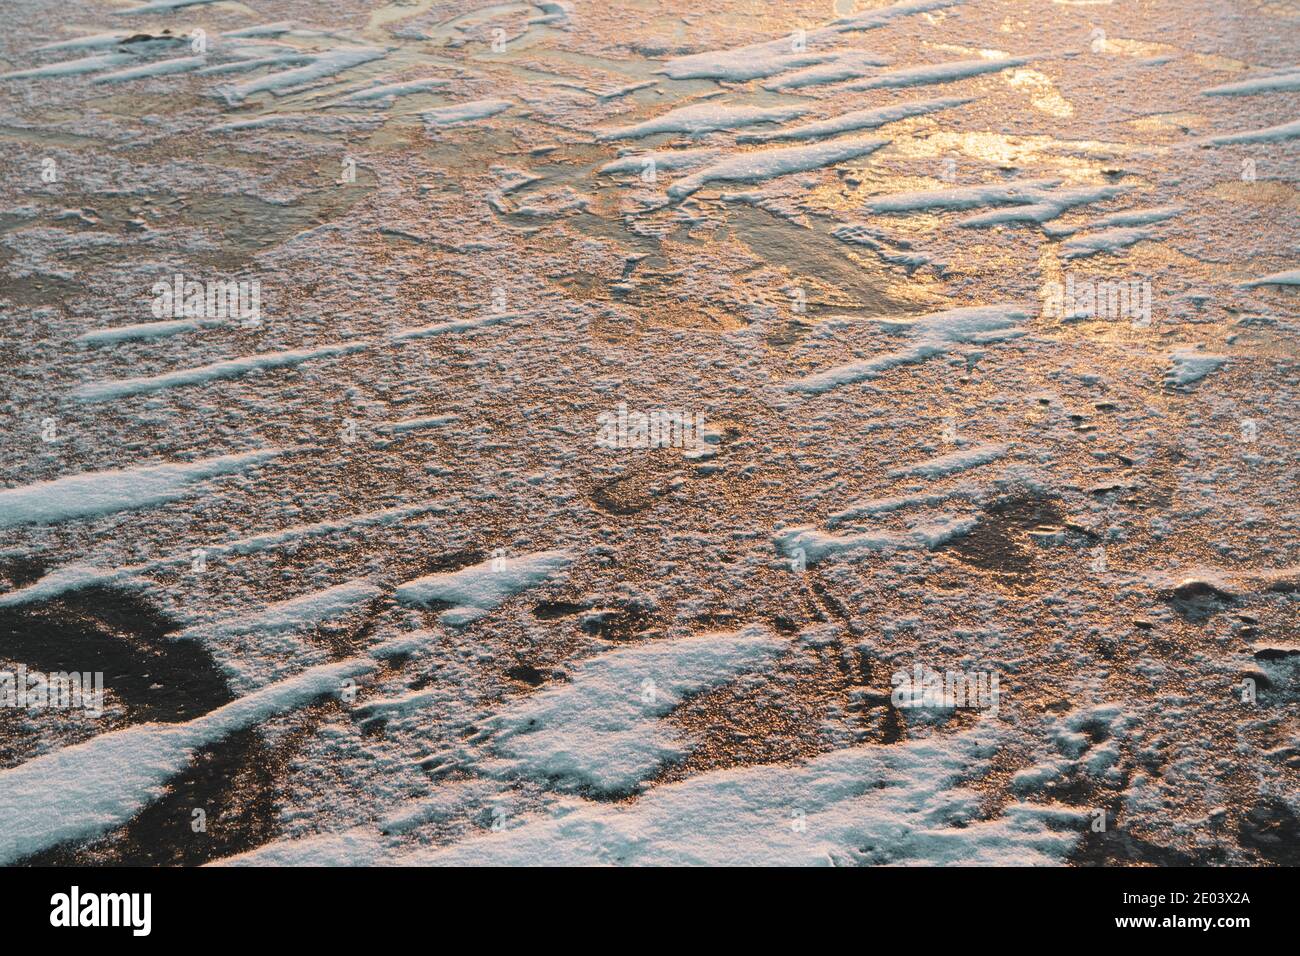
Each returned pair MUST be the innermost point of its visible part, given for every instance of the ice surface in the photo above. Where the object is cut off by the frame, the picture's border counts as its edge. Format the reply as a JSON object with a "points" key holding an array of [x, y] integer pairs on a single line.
{"points": [[907, 458]]}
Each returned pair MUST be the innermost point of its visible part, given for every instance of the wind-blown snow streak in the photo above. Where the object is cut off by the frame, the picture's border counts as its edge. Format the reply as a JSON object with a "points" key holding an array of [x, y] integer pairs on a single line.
{"points": [[184, 64], [304, 610], [1274, 82], [328, 63], [812, 545], [935, 73], [104, 492], [1270, 134], [1108, 240], [478, 589], [703, 118], [416, 424], [875, 506], [84, 790], [950, 464], [601, 729], [73, 577], [882, 16], [144, 330], [770, 163], [858, 119], [847, 65], [162, 6], [386, 93], [455, 325], [231, 368], [1048, 206], [85, 64], [660, 159], [963, 197], [746, 63], [464, 112], [896, 804], [932, 334], [1291, 277]]}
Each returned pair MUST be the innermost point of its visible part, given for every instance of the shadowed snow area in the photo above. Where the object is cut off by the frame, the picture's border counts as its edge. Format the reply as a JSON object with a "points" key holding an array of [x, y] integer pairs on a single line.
{"points": [[649, 433]]}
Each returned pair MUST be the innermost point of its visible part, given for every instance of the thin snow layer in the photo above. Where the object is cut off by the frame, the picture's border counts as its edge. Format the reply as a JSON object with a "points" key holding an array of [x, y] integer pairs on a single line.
{"points": [[660, 159], [812, 545], [256, 63], [454, 325], [73, 577], [935, 73], [1079, 751], [231, 368], [1049, 205], [81, 791], [931, 335], [85, 64], [464, 112], [770, 163], [845, 66], [1138, 217], [184, 64], [303, 611], [1270, 134], [104, 492], [417, 424], [897, 804], [360, 846], [387, 92], [162, 6], [950, 464], [602, 729], [882, 16], [1274, 82], [1290, 277], [963, 197], [95, 41], [858, 119], [704, 118], [1107, 240], [746, 63], [1191, 366], [144, 330], [476, 590], [328, 63], [875, 506]]}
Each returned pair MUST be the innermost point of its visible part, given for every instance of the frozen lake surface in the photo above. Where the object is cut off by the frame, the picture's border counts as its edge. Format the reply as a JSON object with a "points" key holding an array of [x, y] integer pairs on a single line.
{"points": [[649, 432]]}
